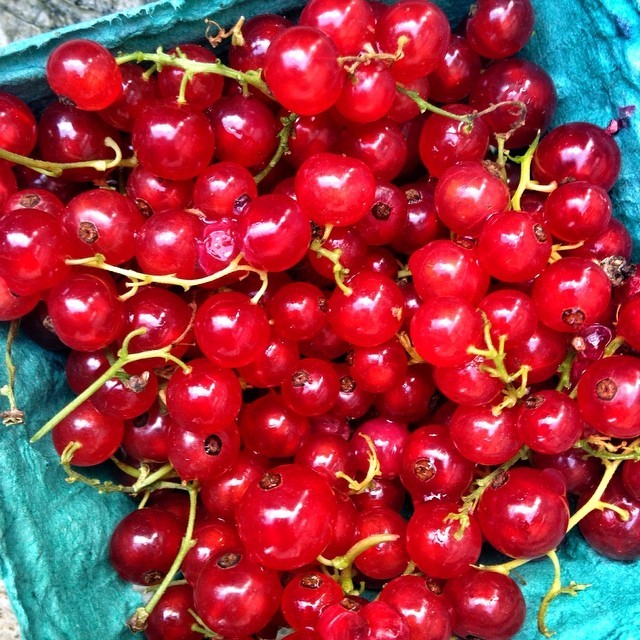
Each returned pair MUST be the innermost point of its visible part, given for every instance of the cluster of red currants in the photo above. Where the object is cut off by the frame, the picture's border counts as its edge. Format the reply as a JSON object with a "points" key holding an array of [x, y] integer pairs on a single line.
{"points": [[333, 335]]}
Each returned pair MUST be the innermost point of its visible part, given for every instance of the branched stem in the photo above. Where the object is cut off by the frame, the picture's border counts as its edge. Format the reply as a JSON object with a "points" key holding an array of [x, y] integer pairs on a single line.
{"points": [[161, 59], [595, 502], [343, 564], [138, 621], [200, 627], [283, 145], [497, 355], [56, 169], [149, 483], [12, 415], [467, 118], [556, 250], [339, 271], [602, 447], [554, 591], [124, 358], [471, 500], [139, 279], [372, 472], [369, 54], [525, 181]]}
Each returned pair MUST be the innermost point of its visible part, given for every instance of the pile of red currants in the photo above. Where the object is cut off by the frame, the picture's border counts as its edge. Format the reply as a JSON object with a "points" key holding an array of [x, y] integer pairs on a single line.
{"points": [[340, 310]]}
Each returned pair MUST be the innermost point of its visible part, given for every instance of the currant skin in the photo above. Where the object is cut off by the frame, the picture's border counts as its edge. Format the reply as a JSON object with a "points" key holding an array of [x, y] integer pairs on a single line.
{"points": [[234, 595], [293, 509], [83, 73], [228, 438], [532, 508]]}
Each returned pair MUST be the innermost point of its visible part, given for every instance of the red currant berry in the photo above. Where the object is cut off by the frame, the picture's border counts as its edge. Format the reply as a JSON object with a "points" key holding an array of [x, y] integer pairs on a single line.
{"points": [[435, 544], [301, 68], [286, 518], [84, 74], [532, 510], [236, 597], [609, 396], [144, 545]]}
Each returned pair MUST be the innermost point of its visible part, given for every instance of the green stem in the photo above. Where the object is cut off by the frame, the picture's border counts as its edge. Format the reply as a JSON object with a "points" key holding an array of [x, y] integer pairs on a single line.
{"points": [[138, 621], [162, 59], [505, 568], [123, 359], [56, 169], [498, 370], [525, 174], [13, 415], [467, 118], [471, 500], [372, 472], [283, 145], [424, 106], [613, 346], [159, 474], [594, 501], [66, 459], [339, 272], [342, 562], [200, 627], [139, 279], [565, 371], [629, 451], [554, 591]]}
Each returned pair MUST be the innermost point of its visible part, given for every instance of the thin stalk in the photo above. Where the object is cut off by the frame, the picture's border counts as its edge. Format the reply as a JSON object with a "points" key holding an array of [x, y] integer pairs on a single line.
{"points": [[138, 621], [123, 358], [283, 146], [12, 415], [372, 472], [56, 169], [594, 502], [161, 59], [554, 591], [138, 279]]}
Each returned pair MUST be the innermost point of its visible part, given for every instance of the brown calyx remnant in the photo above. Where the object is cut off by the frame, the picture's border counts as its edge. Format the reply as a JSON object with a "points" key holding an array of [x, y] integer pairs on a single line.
{"points": [[499, 480], [229, 560], [381, 211], [88, 232], [540, 233], [144, 207], [533, 402], [350, 604], [29, 200], [213, 445], [424, 469], [574, 317], [270, 481], [618, 269], [310, 581], [413, 196], [153, 576], [138, 383], [606, 389], [300, 378], [347, 384]]}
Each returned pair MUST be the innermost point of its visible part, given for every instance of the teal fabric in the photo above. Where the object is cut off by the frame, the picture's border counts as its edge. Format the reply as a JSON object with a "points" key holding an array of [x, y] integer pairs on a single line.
{"points": [[53, 536]]}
